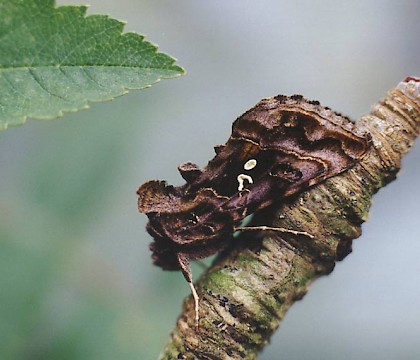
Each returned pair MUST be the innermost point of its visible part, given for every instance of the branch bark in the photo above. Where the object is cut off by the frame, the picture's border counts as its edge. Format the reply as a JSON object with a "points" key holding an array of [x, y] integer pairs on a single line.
{"points": [[249, 288]]}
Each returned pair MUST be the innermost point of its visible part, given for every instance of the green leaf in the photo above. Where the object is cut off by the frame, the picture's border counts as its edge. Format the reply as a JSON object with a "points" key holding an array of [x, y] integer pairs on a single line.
{"points": [[54, 60]]}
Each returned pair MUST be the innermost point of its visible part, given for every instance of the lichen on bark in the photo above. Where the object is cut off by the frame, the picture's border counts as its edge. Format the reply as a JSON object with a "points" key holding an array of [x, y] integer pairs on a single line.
{"points": [[247, 291]]}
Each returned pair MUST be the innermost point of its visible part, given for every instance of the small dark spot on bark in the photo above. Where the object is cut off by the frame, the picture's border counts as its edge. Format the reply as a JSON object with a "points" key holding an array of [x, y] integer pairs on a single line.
{"points": [[296, 97], [281, 98], [234, 309], [223, 301], [279, 298], [314, 102]]}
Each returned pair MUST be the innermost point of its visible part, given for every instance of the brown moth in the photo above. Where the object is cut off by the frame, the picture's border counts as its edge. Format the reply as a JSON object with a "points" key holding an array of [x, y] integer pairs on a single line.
{"points": [[277, 149]]}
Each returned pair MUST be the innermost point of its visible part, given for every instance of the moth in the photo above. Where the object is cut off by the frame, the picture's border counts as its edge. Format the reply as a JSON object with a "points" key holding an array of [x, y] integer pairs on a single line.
{"points": [[277, 149]]}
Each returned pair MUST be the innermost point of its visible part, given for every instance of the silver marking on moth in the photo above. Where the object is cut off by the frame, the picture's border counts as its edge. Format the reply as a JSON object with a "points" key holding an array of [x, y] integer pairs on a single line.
{"points": [[241, 179], [250, 164]]}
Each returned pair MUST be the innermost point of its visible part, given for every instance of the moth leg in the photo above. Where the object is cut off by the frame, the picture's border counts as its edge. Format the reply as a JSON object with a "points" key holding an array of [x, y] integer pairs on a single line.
{"points": [[184, 263], [196, 305], [269, 228]]}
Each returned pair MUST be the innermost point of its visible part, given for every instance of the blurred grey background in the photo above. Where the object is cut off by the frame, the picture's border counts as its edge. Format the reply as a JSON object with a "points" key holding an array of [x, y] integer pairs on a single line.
{"points": [[76, 277]]}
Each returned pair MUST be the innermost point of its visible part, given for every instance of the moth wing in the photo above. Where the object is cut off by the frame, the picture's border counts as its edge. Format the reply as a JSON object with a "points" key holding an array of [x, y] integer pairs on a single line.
{"points": [[189, 171], [159, 197]]}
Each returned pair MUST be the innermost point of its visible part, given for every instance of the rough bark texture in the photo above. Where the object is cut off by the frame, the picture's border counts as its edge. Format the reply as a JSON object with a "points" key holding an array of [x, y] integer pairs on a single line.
{"points": [[247, 291]]}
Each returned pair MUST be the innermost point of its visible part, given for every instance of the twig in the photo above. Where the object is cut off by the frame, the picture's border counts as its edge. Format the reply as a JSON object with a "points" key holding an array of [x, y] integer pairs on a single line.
{"points": [[247, 291]]}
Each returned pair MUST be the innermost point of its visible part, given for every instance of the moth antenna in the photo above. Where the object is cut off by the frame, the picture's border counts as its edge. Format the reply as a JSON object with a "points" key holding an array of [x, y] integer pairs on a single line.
{"points": [[269, 228]]}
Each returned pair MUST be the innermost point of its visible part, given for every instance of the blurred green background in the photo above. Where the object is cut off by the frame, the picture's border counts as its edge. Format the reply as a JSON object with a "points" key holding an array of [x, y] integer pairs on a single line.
{"points": [[76, 279]]}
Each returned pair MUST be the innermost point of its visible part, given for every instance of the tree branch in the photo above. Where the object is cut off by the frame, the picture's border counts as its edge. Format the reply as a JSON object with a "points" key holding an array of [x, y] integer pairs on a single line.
{"points": [[249, 288]]}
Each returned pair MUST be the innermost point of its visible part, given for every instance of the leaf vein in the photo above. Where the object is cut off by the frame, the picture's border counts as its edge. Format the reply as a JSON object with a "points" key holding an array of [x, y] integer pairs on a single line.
{"points": [[80, 45], [92, 78], [39, 82]]}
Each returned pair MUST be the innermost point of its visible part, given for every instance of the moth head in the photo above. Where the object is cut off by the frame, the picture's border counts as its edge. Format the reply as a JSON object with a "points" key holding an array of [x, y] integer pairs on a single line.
{"points": [[181, 221]]}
